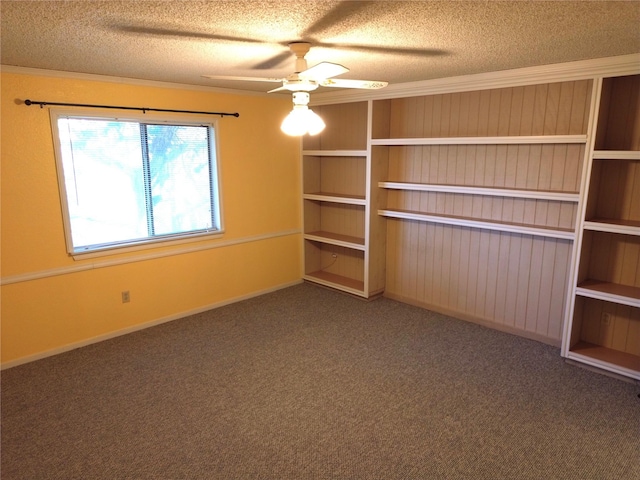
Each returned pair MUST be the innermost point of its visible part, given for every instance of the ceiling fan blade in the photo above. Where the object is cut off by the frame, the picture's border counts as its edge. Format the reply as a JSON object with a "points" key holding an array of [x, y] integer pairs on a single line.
{"points": [[181, 33], [279, 89], [323, 70], [430, 52], [338, 15], [274, 61], [342, 83], [243, 79]]}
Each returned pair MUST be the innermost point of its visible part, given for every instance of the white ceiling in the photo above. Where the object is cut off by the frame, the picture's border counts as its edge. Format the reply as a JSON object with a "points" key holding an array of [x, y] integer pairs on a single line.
{"points": [[179, 41]]}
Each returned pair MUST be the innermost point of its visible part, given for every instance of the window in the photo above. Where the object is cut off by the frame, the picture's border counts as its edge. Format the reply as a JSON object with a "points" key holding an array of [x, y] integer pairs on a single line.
{"points": [[125, 182]]}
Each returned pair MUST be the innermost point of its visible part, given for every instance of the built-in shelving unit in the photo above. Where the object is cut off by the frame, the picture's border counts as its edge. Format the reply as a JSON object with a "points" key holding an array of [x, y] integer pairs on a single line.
{"points": [[603, 328], [509, 200], [482, 194], [340, 251]]}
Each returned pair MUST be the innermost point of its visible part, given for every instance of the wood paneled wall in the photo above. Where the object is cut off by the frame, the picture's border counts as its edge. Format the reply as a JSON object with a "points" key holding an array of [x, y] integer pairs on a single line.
{"points": [[621, 333], [614, 191], [518, 282], [515, 282], [327, 260], [335, 175], [332, 217], [533, 167], [528, 167], [346, 127], [619, 127], [519, 211], [549, 109], [611, 257]]}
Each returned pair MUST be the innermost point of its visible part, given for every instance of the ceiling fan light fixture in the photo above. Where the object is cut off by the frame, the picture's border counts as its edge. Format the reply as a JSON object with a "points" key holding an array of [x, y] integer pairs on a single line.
{"points": [[302, 119]]}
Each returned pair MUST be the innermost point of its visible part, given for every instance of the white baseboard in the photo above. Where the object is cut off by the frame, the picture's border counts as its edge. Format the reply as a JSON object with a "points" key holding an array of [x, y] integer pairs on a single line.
{"points": [[142, 326]]}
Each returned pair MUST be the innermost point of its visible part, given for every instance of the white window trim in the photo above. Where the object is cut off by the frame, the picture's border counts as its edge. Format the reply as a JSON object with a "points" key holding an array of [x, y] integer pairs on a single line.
{"points": [[149, 117]]}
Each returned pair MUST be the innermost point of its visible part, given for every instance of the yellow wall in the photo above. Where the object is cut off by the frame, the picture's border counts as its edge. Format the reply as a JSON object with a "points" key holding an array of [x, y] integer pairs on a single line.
{"points": [[68, 302]]}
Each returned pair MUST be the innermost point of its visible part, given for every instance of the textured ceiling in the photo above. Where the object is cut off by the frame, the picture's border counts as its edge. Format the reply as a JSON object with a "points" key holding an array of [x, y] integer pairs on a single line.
{"points": [[179, 41]]}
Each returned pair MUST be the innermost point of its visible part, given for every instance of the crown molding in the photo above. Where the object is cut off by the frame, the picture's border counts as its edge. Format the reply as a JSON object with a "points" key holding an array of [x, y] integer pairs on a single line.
{"points": [[124, 80], [558, 72]]}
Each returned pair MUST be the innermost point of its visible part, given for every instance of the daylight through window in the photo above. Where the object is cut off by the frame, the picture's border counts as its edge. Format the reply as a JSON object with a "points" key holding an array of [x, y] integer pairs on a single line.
{"points": [[126, 182]]}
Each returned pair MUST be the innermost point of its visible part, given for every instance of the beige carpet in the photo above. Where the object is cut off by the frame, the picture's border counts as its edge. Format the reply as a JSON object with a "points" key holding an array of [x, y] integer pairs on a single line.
{"points": [[307, 383]]}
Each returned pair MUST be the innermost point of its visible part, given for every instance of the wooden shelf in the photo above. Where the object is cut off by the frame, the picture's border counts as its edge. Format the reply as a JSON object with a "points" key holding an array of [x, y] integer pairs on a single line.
{"points": [[609, 292], [336, 198], [338, 180], [335, 153], [488, 191], [503, 140], [607, 358], [481, 224], [337, 281], [616, 155], [609, 226], [336, 239], [625, 227]]}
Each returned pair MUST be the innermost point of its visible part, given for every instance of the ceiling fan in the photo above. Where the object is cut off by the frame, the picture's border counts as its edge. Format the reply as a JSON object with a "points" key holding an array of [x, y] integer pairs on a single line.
{"points": [[306, 79], [340, 15], [302, 120]]}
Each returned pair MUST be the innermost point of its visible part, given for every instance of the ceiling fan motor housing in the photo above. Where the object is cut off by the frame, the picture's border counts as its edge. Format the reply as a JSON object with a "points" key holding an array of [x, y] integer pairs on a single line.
{"points": [[300, 49], [295, 83]]}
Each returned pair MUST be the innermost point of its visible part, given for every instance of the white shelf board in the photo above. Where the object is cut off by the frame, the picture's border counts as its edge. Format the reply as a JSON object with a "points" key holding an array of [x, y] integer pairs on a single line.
{"points": [[597, 357], [616, 155], [335, 153], [610, 292], [347, 199], [613, 226], [488, 191], [503, 140], [339, 282], [336, 239], [482, 224]]}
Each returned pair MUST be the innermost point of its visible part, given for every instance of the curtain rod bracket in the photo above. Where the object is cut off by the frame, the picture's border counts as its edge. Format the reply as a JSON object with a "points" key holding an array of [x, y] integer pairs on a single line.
{"points": [[144, 110]]}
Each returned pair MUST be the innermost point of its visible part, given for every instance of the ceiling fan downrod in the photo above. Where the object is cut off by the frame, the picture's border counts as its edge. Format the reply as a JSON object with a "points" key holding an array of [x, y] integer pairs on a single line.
{"points": [[300, 50]]}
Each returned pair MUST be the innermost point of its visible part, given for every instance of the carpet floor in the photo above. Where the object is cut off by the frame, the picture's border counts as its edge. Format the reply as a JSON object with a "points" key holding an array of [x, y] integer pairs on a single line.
{"points": [[307, 383]]}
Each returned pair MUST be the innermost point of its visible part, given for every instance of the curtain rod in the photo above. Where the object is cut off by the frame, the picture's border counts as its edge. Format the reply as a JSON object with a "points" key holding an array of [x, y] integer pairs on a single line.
{"points": [[142, 109]]}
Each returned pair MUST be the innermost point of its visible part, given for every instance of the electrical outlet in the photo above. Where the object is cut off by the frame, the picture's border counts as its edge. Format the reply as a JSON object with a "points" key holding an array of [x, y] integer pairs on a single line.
{"points": [[126, 297], [606, 318]]}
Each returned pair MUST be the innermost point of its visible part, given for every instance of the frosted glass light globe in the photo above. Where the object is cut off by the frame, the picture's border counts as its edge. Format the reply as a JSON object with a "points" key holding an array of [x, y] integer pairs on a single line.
{"points": [[301, 120]]}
